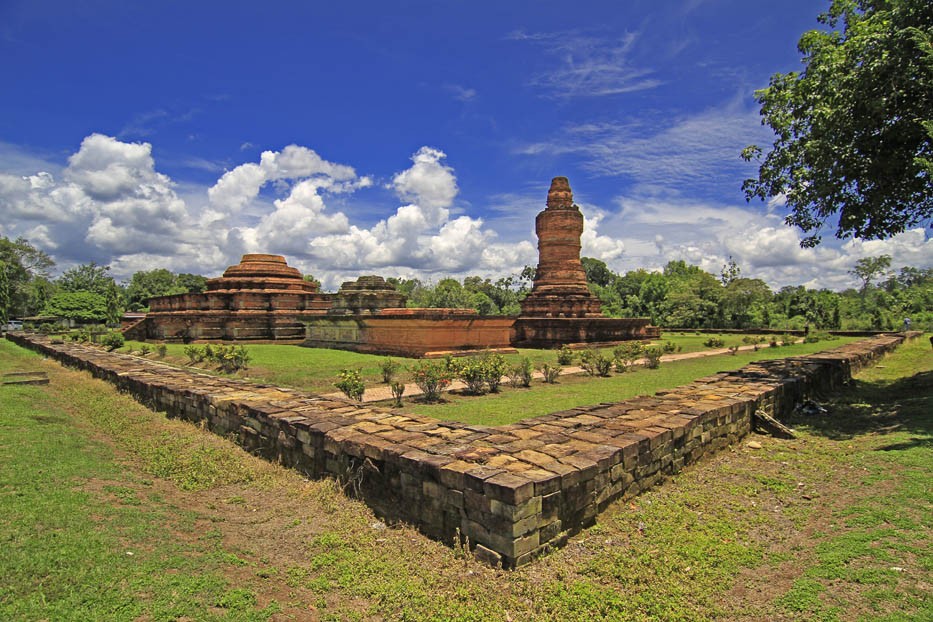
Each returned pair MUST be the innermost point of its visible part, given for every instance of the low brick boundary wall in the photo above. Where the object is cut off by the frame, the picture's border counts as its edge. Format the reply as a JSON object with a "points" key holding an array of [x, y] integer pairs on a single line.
{"points": [[516, 490]]}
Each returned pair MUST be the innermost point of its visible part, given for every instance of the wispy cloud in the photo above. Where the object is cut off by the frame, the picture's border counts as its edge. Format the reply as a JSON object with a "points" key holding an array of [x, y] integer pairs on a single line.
{"points": [[588, 65], [691, 153], [460, 93]]}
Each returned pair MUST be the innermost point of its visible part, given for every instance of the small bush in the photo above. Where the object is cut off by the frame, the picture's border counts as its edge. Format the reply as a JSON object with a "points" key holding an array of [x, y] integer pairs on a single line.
{"points": [[194, 353], [595, 363], [733, 350], [350, 383], [389, 367], [398, 389], [431, 378], [788, 340], [520, 374], [231, 358], [551, 372], [773, 343], [626, 354], [714, 342], [564, 356], [161, 350], [145, 349], [494, 367], [112, 341], [669, 347], [472, 372], [653, 357]]}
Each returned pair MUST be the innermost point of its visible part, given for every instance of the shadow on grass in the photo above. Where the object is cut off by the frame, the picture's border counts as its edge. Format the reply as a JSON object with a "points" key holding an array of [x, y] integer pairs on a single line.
{"points": [[882, 407]]}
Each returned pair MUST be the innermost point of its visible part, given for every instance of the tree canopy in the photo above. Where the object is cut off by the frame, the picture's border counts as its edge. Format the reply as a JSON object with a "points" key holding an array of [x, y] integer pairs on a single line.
{"points": [[854, 129], [25, 273]]}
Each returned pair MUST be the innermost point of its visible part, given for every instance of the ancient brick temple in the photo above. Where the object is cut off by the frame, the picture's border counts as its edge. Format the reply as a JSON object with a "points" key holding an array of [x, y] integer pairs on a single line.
{"points": [[560, 288], [260, 298], [560, 308], [263, 298]]}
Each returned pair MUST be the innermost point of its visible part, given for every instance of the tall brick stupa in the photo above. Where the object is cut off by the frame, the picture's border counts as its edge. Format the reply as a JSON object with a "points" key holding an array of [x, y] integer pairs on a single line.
{"points": [[560, 282], [560, 310]]}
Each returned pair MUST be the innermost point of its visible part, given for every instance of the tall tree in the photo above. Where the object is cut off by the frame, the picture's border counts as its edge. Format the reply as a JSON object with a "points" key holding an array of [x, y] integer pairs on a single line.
{"points": [[88, 277], [598, 272], [24, 264], [4, 294], [854, 129], [869, 268]]}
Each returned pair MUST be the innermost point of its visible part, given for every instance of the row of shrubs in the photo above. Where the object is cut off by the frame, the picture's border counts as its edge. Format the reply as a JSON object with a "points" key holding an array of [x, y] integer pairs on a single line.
{"points": [[484, 374], [230, 358]]}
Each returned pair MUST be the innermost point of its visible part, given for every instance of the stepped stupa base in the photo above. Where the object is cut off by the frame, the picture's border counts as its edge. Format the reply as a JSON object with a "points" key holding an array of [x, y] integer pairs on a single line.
{"points": [[554, 332]]}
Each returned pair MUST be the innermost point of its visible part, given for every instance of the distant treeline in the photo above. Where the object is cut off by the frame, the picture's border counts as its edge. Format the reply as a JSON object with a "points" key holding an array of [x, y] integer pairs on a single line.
{"points": [[681, 296]]}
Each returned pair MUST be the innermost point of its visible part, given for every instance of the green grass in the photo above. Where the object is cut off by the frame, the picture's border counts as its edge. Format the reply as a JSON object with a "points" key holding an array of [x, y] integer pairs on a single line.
{"points": [[85, 539], [510, 405], [315, 369], [835, 525]]}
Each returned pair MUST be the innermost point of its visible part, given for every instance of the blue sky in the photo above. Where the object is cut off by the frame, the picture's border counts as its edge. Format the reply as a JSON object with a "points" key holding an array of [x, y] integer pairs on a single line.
{"points": [[399, 138]]}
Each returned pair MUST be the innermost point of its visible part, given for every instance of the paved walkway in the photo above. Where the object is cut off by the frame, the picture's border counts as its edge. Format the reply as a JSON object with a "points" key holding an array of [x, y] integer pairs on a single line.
{"points": [[382, 392]]}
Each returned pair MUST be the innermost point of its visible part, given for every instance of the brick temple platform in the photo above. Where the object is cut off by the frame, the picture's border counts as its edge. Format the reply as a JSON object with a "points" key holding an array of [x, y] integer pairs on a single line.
{"points": [[515, 491]]}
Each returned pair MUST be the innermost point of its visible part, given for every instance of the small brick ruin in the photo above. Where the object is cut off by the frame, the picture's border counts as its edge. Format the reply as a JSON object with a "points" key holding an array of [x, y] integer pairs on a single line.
{"points": [[515, 491]]}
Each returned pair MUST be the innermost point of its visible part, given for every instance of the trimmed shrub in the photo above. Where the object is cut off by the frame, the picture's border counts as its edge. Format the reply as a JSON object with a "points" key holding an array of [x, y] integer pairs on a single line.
{"points": [[112, 341], [389, 367], [551, 372], [161, 350], [195, 354], [472, 372], [595, 363], [350, 383], [520, 374], [653, 357], [398, 389], [231, 358], [494, 367], [564, 356], [714, 342], [431, 378], [624, 355]]}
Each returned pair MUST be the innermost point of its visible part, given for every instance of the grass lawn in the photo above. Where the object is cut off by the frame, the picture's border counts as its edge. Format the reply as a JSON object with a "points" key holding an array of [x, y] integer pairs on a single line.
{"points": [[315, 369], [111, 512], [511, 404]]}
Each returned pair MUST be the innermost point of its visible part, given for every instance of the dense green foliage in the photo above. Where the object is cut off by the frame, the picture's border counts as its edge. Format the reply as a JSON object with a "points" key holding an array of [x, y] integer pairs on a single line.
{"points": [[77, 306], [854, 129], [147, 284], [685, 296], [25, 270]]}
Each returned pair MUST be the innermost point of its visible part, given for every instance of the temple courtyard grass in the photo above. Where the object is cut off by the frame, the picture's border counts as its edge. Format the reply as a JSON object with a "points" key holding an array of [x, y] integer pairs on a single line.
{"points": [[109, 511], [316, 369]]}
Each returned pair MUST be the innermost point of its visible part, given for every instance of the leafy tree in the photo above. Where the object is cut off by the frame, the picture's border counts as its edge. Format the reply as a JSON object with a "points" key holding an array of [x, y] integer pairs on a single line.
{"points": [[87, 277], [867, 268], [307, 277], [114, 303], [195, 283], [4, 294], [81, 306], [742, 298], [854, 129], [147, 284], [598, 272], [23, 264], [730, 272]]}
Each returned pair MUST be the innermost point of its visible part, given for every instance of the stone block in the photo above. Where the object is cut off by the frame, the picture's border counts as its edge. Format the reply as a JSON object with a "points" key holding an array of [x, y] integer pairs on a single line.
{"points": [[512, 489]]}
